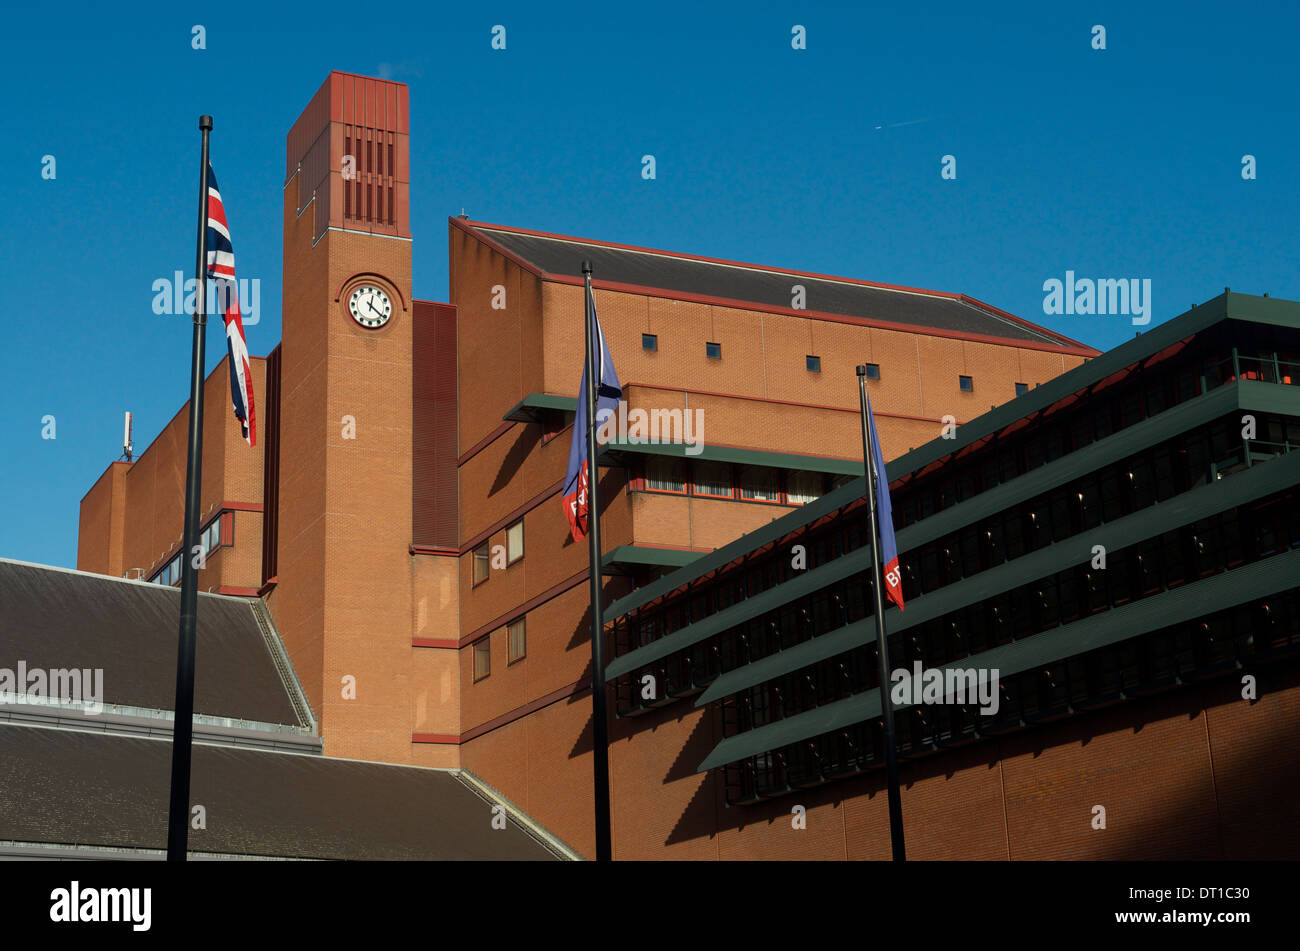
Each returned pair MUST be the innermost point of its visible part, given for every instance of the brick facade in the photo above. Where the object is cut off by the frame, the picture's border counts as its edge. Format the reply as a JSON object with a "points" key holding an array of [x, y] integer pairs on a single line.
{"points": [[374, 575]]}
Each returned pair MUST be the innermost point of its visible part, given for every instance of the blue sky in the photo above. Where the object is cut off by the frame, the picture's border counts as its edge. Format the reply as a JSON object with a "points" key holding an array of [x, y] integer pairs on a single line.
{"points": [[1122, 163]]}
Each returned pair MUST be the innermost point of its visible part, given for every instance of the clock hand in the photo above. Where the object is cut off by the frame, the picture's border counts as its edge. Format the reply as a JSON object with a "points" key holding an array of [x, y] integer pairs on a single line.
{"points": [[370, 302]]}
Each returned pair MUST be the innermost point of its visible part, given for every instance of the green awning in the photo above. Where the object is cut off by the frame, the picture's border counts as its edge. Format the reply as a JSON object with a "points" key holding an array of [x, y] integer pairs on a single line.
{"points": [[532, 406], [618, 452], [625, 557], [1186, 603]]}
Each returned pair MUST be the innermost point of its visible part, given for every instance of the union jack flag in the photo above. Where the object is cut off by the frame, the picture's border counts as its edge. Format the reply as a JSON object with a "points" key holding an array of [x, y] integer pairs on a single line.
{"points": [[221, 270]]}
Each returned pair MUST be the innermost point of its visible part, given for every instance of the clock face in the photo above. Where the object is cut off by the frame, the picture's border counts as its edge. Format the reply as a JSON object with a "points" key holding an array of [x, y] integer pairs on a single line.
{"points": [[370, 306]]}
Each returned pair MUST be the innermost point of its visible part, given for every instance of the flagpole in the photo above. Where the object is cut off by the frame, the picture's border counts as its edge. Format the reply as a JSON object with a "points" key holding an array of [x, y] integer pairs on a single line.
{"points": [[882, 643], [599, 723], [178, 816]]}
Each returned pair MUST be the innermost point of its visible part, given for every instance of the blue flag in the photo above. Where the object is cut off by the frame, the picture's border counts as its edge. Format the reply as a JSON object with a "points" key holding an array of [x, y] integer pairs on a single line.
{"points": [[885, 517], [576, 497]]}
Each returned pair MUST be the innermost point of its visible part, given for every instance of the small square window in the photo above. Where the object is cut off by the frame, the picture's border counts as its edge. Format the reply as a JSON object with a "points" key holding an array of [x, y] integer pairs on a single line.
{"points": [[482, 657], [515, 542], [518, 639], [713, 351], [814, 364], [873, 371], [481, 563], [1022, 389], [967, 384], [650, 342]]}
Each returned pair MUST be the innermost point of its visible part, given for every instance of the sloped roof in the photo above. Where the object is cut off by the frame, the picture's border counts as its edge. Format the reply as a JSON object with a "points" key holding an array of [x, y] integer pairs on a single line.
{"points": [[53, 618], [562, 256], [71, 788]]}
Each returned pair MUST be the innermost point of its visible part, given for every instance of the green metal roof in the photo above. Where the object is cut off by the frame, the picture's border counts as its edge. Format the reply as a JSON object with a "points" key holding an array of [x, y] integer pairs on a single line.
{"points": [[1224, 590], [1254, 483]]}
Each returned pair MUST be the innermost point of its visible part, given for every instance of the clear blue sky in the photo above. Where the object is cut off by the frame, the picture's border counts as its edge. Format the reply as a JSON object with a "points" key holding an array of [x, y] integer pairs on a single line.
{"points": [[1117, 163]]}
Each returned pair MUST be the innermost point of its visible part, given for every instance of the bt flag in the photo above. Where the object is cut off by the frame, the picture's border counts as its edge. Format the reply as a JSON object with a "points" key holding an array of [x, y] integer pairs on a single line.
{"points": [[608, 392], [885, 518]]}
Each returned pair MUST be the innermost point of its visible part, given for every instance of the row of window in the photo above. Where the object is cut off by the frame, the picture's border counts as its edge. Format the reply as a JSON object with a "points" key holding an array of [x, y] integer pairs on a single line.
{"points": [[1151, 391], [812, 363], [516, 648], [483, 556], [218, 533], [1154, 475], [1194, 649], [1192, 552], [723, 480]]}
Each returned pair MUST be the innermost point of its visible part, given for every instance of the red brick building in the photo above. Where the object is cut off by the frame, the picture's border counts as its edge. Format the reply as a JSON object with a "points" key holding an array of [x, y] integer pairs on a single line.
{"points": [[401, 516]]}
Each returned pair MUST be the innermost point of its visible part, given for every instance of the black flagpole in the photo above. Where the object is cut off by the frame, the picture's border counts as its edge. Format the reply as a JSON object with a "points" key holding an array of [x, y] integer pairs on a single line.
{"points": [[882, 643], [178, 816], [599, 726]]}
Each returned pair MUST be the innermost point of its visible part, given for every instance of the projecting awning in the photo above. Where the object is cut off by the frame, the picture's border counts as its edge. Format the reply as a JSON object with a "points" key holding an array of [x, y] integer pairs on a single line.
{"points": [[1191, 601], [618, 453], [624, 558], [532, 406]]}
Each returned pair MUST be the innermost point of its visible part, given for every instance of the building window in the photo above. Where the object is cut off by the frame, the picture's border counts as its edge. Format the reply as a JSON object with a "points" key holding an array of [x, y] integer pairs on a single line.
{"points": [[1022, 389], [515, 542], [482, 657], [650, 342], [712, 479], [665, 475], [873, 371], [814, 364], [803, 487], [762, 485], [713, 351], [481, 563], [967, 384], [518, 640], [212, 536]]}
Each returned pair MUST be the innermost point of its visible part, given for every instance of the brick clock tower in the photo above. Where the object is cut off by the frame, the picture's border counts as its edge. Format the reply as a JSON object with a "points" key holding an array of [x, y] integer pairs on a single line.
{"points": [[342, 599]]}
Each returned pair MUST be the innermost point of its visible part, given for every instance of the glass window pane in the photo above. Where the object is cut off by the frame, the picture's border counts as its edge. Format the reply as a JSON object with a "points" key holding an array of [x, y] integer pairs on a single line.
{"points": [[757, 483], [518, 640], [482, 658], [515, 541], [803, 487], [712, 479], [481, 563], [665, 475]]}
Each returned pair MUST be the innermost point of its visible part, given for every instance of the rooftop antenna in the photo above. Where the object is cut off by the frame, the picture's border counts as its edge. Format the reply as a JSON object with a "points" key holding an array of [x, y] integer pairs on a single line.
{"points": [[462, 212], [126, 438]]}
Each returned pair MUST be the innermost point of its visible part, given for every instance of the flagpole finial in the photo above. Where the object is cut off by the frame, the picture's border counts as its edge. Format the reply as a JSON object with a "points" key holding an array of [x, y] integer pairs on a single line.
{"points": [[205, 123], [586, 267], [862, 370]]}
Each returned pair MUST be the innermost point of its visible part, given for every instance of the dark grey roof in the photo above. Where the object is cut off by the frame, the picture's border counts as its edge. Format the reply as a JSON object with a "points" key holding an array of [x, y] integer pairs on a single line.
{"points": [[72, 788], [666, 271], [52, 618]]}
